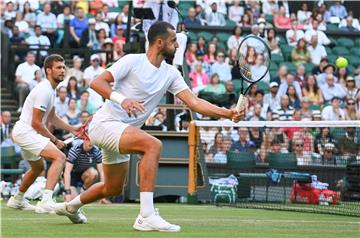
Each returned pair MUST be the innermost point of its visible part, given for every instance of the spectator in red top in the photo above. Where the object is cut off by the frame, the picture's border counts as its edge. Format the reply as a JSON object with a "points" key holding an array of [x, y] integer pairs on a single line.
{"points": [[190, 55], [199, 79], [281, 20]]}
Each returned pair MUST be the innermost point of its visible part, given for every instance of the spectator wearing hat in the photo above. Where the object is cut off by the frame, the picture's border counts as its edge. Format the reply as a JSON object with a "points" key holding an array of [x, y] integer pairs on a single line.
{"points": [[89, 36], [108, 46], [332, 89], [328, 155], [215, 18], [271, 100], [333, 112], [317, 51], [328, 69], [351, 89], [90, 73], [316, 115], [77, 26], [350, 110]]}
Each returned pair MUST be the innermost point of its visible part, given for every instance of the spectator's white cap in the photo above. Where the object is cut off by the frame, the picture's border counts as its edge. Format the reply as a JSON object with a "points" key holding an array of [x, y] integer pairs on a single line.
{"points": [[92, 21], [94, 57], [274, 84], [108, 41]]}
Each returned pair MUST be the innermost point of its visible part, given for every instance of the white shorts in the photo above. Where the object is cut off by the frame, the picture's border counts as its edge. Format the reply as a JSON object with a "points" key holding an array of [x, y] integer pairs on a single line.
{"points": [[30, 142], [106, 135]]}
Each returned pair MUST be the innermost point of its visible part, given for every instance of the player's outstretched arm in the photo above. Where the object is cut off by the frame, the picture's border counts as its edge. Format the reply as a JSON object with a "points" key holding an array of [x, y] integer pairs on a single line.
{"points": [[204, 107]]}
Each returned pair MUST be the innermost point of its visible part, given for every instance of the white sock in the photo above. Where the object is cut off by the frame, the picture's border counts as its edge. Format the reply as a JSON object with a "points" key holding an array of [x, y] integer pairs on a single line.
{"points": [[146, 204], [74, 204], [19, 196], [47, 196]]}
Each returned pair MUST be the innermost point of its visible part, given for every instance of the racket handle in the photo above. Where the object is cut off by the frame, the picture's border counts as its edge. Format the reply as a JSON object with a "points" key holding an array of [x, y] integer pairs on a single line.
{"points": [[242, 103], [69, 140]]}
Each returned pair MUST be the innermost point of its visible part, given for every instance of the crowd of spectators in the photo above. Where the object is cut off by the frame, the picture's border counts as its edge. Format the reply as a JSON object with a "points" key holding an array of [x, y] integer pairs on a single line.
{"points": [[292, 93]]}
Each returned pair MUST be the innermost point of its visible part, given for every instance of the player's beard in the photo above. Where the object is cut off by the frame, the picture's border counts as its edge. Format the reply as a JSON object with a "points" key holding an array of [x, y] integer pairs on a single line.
{"points": [[168, 54], [59, 79]]}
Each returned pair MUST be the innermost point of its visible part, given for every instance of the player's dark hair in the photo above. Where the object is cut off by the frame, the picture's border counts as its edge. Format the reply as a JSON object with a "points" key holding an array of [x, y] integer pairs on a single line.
{"points": [[159, 29], [49, 61]]}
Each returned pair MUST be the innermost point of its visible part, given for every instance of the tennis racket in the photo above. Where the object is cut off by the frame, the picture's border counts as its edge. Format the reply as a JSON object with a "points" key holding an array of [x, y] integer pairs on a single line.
{"points": [[83, 134], [253, 62]]}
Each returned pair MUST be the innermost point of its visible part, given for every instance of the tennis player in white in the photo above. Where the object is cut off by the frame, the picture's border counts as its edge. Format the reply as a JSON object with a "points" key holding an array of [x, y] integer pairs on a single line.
{"points": [[36, 141], [140, 81]]}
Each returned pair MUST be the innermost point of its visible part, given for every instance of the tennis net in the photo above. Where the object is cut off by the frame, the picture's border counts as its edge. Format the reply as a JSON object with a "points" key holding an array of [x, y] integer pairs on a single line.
{"points": [[309, 166]]}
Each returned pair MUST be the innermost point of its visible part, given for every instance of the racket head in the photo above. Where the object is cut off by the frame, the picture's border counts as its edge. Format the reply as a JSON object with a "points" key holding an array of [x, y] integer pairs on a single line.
{"points": [[253, 58]]}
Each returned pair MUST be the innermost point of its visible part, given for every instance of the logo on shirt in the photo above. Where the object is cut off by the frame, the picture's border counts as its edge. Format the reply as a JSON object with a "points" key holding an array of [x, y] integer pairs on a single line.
{"points": [[43, 107]]}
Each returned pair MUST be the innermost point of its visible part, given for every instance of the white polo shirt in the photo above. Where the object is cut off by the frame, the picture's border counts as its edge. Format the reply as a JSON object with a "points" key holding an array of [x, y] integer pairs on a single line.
{"points": [[27, 72]]}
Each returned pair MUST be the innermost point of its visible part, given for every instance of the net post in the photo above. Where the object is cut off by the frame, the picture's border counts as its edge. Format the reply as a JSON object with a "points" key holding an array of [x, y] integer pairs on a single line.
{"points": [[192, 196]]}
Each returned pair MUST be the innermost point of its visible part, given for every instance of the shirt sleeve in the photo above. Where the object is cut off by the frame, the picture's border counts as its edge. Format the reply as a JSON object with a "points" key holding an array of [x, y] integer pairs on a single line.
{"points": [[72, 155], [178, 84], [122, 67], [19, 70], [42, 101]]}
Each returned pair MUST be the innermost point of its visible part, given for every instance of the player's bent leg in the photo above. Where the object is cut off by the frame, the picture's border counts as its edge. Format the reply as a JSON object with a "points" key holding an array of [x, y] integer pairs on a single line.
{"points": [[18, 201], [89, 177], [57, 158]]}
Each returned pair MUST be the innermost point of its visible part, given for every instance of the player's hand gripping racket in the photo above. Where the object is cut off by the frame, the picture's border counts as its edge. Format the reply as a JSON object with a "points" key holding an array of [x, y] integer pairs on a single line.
{"points": [[253, 61], [82, 134]]}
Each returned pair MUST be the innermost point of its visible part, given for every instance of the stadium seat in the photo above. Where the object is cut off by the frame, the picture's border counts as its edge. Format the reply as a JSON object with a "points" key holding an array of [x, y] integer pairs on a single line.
{"points": [[355, 51], [332, 58], [269, 18], [223, 37], [332, 27], [277, 58], [241, 160], [264, 86], [332, 39], [9, 163], [353, 59], [273, 66], [340, 50], [206, 35], [308, 67], [315, 107], [282, 40], [222, 46], [237, 85], [192, 36], [230, 23], [345, 42], [328, 50], [290, 66], [357, 42], [351, 68], [286, 51], [282, 161], [273, 74]]}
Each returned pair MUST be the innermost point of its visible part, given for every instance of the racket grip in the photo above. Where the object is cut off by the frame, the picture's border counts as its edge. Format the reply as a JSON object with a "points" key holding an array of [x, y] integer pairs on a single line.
{"points": [[69, 140], [242, 103]]}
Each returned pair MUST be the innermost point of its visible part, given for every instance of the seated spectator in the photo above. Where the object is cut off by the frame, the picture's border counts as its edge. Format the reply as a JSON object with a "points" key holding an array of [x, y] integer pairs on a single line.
{"points": [[324, 12], [285, 111], [100, 24], [215, 18], [231, 94], [256, 136], [199, 79], [24, 76], [355, 21], [255, 114], [319, 18], [270, 7], [349, 144], [306, 112], [231, 59], [333, 112], [294, 34], [61, 103], [60, 22], [350, 110], [36, 79], [317, 51], [119, 36], [281, 75], [307, 140], [10, 12], [236, 12], [338, 10], [84, 104], [100, 37], [125, 14], [320, 68], [273, 41], [349, 25], [328, 157], [200, 14], [328, 69], [218, 144], [294, 101], [322, 38], [29, 15], [351, 89], [246, 20], [205, 65], [90, 73], [56, 6], [118, 50], [72, 88], [298, 149], [215, 86], [18, 40], [22, 25], [300, 55], [47, 21], [271, 101], [95, 6], [79, 171], [211, 52], [300, 75], [6, 125], [221, 68], [250, 57], [282, 21], [290, 80], [258, 70], [303, 14], [118, 23], [77, 26], [322, 138], [76, 72], [243, 144], [72, 115], [331, 89], [201, 43], [296, 116], [39, 41], [341, 74], [190, 54], [107, 57], [191, 19], [89, 37], [235, 39]]}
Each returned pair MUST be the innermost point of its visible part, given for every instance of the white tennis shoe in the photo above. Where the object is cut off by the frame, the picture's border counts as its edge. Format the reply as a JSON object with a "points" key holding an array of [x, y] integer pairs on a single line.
{"points": [[45, 207], [23, 204], [77, 217], [154, 223]]}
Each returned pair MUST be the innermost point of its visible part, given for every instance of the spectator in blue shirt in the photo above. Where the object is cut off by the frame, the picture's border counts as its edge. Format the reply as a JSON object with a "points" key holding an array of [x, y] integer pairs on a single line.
{"points": [[221, 68], [191, 19], [243, 143], [77, 26], [338, 10], [47, 21], [349, 25]]}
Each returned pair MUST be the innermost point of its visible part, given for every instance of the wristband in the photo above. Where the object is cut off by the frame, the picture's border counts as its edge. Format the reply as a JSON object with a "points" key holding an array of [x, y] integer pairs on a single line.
{"points": [[67, 191], [53, 140], [117, 97]]}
